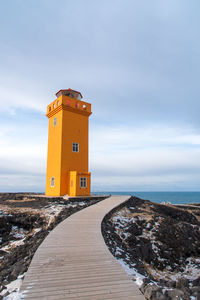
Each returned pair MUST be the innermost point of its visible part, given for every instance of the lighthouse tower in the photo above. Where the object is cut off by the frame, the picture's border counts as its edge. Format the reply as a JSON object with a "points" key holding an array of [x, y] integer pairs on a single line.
{"points": [[67, 158]]}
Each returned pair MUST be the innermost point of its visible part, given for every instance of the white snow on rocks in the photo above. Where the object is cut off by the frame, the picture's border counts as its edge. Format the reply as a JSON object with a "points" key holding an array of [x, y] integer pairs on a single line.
{"points": [[13, 289], [190, 270], [132, 273]]}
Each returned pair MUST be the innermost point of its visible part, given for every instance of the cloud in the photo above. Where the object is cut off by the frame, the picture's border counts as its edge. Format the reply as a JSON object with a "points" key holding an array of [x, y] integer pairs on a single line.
{"points": [[125, 158], [121, 157], [136, 62], [21, 183], [144, 66], [23, 152]]}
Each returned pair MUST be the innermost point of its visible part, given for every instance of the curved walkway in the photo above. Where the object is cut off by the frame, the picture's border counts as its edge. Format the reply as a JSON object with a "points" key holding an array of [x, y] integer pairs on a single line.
{"points": [[73, 262]]}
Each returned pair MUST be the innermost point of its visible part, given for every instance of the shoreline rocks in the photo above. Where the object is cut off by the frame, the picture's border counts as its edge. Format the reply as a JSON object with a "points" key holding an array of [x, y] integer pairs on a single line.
{"points": [[160, 243]]}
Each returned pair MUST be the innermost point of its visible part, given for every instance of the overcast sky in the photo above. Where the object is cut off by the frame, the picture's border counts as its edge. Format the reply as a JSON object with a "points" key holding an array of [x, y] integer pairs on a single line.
{"points": [[137, 62]]}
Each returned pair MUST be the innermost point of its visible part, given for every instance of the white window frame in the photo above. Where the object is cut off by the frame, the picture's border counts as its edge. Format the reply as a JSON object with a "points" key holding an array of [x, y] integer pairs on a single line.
{"points": [[54, 121], [83, 182], [75, 147], [52, 181]]}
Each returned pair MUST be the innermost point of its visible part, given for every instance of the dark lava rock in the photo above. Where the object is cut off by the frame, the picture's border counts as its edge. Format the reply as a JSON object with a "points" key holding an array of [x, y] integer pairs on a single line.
{"points": [[196, 282], [145, 251], [182, 283], [160, 237], [134, 229], [27, 221], [182, 240], [153, 292], [16, 270], [175, 213], [195, 291], [176, 294]]}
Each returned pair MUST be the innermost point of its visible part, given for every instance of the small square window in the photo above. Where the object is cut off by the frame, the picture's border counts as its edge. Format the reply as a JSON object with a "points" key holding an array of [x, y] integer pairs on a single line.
{"points": [[54, 121], [52, 181], [83, 182], [75, 147]]}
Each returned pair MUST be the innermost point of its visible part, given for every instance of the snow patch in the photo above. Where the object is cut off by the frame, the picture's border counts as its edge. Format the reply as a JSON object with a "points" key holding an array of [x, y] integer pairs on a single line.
{"points": [[132, 273], [13, 289]]}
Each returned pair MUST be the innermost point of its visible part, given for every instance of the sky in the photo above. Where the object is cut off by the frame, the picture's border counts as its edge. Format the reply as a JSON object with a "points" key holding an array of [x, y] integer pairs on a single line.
{"points": [[136, 61]]}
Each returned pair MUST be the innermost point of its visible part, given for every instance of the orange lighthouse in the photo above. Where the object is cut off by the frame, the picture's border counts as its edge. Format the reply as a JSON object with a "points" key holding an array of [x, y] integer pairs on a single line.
{"points": [[67, 158]]}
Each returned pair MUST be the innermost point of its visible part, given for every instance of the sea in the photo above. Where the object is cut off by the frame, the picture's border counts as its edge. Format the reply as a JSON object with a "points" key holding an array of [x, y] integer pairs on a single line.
{"points": [[159, 197]]}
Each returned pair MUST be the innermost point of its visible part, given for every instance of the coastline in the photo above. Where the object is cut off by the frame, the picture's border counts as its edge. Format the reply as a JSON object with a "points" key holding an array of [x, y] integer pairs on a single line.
{"points": [[158, 246], [31, 218], [187, 197]]}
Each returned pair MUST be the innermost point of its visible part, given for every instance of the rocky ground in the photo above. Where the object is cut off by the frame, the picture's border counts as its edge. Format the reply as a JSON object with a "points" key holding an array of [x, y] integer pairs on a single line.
{"points": [[25, 220], [158, 245]]}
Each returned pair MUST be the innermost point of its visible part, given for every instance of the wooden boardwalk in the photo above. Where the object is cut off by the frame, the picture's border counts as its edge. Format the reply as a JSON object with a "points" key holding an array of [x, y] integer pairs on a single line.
{"points": [[73, 262]]}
